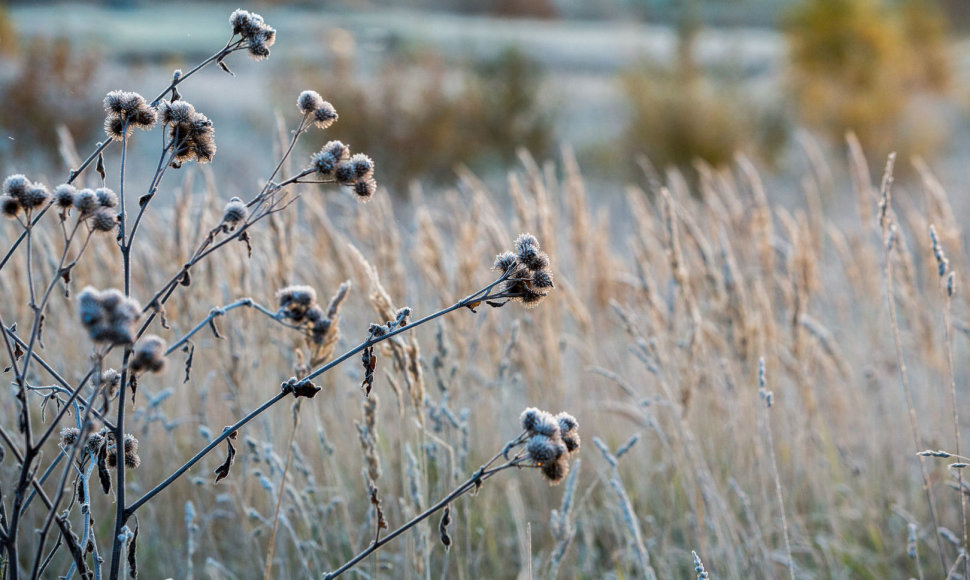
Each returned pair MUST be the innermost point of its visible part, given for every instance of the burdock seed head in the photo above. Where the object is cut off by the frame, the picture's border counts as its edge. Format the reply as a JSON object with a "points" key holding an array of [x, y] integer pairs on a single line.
{"points": [[108, 316], [363, 165], [569, 431], [308, 101], [35, 196], [106, 197], [131, 459], [325, 115], [64, 195], [504, 261], [294, 301], [176, 112], [527, 249], [364, 188], [86, 201], [9, 206], [69, 436], [103, 220], [543, 449], [148, 354], [235, 212], [16, 185], [555, 471], [531, 418], [116, 128], [344, 173]]}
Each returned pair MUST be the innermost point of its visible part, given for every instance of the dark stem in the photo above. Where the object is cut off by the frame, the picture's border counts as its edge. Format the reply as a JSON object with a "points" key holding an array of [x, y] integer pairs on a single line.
{"points": [[471, 299], [473, 482]]}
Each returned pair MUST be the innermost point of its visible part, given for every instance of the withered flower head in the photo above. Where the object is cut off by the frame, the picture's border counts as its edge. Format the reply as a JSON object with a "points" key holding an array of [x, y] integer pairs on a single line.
{"points": [[148, 354]]}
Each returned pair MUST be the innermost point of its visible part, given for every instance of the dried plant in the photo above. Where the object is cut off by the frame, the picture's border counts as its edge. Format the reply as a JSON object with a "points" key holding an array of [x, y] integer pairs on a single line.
{"points": [[98, 407]]}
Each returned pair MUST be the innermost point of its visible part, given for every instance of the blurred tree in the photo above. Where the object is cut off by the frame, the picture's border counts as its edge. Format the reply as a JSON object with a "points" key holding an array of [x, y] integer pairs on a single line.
{"points": [[51, 87], [857, 64], [419, 117], [680, 114]]}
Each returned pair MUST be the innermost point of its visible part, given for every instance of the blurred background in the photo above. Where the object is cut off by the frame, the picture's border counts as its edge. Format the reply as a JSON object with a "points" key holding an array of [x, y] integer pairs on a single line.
{"points": [[439, 84]]}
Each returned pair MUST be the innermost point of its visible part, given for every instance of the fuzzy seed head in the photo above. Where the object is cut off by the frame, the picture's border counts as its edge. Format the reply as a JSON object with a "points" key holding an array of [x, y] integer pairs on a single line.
{"points": [[555, 471], [86, 201], [106, 197], [235, 212], [176, 112], [103, 220], [543, 449], [541, 279], [504, 261], [325, 115], [116, 129], [308, 101], [149, 355], [526, 247], [69, 436], [365, 188], [108, 316], [344, 173], [363, 165], [64, 195], [294, 301], [35, 196], [16, 185], [9, 206]]}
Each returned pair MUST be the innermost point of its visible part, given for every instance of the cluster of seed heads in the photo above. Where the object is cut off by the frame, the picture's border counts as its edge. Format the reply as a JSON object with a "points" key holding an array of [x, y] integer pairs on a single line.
{"points": [[529, 279], [131, 458], [126, 112], [251, 28], [191, 132], [334, 160], [108, 316], [551, 440], [19, 193], [322, 112], [299, 304]]}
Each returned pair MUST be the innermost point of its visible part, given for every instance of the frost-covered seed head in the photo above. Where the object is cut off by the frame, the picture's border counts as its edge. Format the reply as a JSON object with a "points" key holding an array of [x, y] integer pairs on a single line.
{"points": [[16, 185], [176, 112], [344, 173], [106, 197], [555, 471], [116, 128], [526, 248], [542, 449], [86, 201], [9, 206], [148, 355], [339, 151], [103, 220], [363, 165], [294, 301], [70, 436], [308, 102], [323, 162], [35, 196], [64, 195], [504, 261], [364, 188], [325, 115], [235, 212], [541, 279]]}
